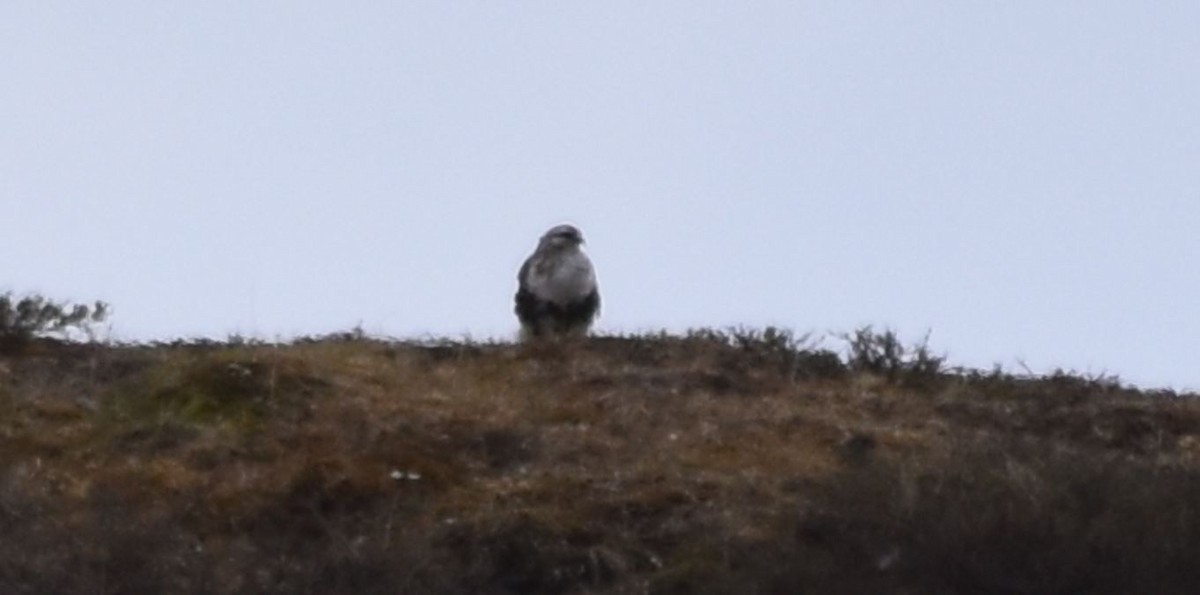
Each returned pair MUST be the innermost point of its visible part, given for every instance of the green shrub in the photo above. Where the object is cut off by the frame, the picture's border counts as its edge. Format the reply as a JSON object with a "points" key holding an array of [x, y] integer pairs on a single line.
{"points": [[22, 319], [884, 354]]}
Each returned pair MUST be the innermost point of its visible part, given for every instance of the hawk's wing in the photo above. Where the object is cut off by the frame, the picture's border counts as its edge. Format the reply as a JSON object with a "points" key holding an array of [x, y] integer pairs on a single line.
{"points": [[524, 271], [527, 306]]}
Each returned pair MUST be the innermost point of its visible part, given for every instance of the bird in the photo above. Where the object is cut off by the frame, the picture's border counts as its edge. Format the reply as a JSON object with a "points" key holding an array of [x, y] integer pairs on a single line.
{"points": [[557, 293]]}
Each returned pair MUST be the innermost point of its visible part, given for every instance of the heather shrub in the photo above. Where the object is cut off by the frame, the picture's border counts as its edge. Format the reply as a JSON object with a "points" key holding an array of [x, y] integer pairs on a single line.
{"points": [[25, 318]]}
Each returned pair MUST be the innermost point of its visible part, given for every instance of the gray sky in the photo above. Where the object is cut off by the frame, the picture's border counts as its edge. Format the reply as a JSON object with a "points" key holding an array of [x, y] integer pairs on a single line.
{"points": [[1020, 178]]}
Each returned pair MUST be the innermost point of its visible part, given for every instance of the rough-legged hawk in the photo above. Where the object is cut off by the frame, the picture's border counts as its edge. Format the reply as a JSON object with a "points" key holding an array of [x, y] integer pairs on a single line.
{"points": [[557, 293]]}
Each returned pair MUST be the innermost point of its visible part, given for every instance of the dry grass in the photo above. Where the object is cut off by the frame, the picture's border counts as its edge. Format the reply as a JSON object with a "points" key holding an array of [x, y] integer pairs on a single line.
{"points": [[714, 463]]}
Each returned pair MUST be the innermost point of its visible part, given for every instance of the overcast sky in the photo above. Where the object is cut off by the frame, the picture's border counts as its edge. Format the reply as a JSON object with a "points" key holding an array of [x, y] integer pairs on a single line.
{"points": [[1022, 179]]}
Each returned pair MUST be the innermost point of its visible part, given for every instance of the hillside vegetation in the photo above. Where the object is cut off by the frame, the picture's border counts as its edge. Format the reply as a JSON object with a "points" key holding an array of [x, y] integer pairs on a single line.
{"points": [[717, 462]]}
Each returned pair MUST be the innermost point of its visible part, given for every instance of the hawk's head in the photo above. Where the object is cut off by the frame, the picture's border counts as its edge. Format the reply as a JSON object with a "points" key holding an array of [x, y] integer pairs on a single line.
{"points": [[560, 237]]}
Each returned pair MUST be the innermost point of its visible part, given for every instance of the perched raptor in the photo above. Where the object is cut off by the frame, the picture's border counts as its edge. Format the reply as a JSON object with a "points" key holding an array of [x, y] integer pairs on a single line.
{"points": [[557, 293]]}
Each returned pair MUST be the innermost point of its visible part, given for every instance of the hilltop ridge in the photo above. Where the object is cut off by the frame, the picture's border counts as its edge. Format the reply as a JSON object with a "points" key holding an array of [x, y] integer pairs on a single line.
{"points": [[715, 462]]}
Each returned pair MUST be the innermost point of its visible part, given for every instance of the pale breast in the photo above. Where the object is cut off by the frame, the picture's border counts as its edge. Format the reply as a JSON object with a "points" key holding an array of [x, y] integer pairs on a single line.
{"points": [[563, 279]]}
